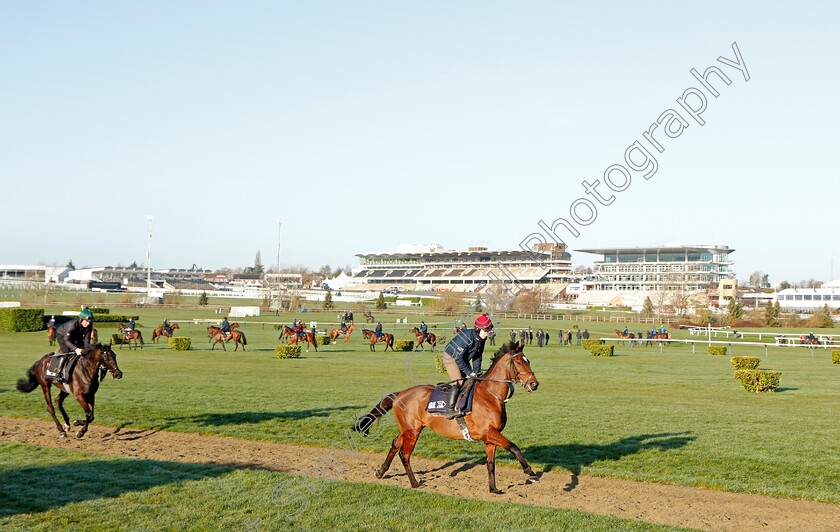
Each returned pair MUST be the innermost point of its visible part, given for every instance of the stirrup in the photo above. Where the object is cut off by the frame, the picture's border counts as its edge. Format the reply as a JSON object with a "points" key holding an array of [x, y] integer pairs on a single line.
{"points": [[454, 413]]}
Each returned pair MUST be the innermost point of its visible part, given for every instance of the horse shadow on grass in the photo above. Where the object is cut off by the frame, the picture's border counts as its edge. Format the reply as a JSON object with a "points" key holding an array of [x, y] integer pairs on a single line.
{"points": [[38, 489], [242, 418], [574, 457]]}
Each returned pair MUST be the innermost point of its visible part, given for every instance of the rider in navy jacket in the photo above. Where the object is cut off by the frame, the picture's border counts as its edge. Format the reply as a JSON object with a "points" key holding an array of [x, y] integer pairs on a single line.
{"points": [[467, 347]]}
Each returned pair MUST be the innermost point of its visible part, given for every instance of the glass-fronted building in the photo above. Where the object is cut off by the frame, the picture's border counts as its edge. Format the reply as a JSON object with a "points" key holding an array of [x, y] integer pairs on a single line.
{"points": [[692, 268]]}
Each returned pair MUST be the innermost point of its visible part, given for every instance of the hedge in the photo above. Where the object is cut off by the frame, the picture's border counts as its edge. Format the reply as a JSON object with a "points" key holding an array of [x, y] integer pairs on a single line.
{"points": [[745, 362], [180, 343], [403, 345], [602, 350], [591, 342], [759, 380], [21, 319], [323, 340], [111, 318], [835, 356], [716, 350], [96, 310], [117, 338], [286, 351]]}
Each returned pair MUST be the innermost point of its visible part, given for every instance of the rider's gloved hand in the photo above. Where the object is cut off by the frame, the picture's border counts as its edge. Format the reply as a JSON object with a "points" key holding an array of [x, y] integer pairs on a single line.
{"points": [[472, 375], [78, 350]]}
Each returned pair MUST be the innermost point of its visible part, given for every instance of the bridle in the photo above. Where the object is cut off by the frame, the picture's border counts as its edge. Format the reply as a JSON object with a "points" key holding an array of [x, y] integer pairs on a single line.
{"points": [[510, 382]]}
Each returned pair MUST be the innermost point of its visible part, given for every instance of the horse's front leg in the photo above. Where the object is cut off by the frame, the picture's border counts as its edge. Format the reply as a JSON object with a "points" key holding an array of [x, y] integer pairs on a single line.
{"points": [[87, 405], [495, 437], [490, 449]]}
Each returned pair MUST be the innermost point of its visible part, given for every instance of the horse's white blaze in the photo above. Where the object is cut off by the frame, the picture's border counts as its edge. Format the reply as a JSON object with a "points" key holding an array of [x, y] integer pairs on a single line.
{"points": [[525, 359]]}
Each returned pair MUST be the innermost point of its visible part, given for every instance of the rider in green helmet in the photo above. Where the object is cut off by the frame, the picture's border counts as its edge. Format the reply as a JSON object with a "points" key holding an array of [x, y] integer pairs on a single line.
{"points": [[72, 337]]}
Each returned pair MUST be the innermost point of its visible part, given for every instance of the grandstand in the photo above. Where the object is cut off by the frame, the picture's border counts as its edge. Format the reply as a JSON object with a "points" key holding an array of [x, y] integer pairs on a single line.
{"points": [[433, 268]]}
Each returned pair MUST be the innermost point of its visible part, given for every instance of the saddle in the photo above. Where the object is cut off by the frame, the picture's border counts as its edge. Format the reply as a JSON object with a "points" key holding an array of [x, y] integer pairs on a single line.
{"points": [[53, 369], [437, 400]]}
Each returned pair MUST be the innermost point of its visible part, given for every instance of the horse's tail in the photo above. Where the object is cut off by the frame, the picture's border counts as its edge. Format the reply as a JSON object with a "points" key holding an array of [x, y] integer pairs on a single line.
{"points": [[363, 423], [140, 337], [242, 335], [30, 383]]}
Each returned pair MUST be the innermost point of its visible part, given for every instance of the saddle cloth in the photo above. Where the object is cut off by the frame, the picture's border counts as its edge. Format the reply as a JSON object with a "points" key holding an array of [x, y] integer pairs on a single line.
{"points": [[437, 400]]}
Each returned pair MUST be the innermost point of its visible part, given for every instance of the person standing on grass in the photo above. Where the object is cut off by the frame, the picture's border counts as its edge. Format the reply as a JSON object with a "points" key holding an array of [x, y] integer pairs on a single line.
{"points": [[578, 336], [512, 335], [547, 337]]}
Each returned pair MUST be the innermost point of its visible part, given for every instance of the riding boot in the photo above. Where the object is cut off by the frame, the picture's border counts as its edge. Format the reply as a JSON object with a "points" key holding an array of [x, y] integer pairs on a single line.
{"points": [[452, 402], [60, 372]]}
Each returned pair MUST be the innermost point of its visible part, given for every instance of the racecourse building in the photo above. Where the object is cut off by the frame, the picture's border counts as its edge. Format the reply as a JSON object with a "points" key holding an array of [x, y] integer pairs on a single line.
{"points": [[810, 299], [642, 271], [430, 267]]}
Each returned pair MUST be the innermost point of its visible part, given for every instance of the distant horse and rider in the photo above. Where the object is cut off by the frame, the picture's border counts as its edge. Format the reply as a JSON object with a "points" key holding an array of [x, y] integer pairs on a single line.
{"points": [[217, 336], [83, 383], [369, 317], [625, 335], [428, 338], [335, 333], [305, 336], [162, 331], [374, 339], [129, 335]]}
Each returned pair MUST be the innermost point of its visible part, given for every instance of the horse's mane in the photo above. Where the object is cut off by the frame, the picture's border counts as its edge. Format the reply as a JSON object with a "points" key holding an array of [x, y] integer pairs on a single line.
{"points": [[510, 347], [91, 347]]}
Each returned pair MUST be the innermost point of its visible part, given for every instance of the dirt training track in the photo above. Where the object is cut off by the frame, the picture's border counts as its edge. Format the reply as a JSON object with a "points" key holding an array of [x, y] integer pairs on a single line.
{"points": [[657, 503]]}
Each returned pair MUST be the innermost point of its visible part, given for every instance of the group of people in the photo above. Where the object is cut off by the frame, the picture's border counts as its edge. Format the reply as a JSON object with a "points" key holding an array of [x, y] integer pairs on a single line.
{"points": [[527, 336]]}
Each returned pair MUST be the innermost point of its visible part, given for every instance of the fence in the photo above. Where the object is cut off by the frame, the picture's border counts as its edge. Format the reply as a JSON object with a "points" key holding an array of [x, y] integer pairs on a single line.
{"points": [[709, 343]]}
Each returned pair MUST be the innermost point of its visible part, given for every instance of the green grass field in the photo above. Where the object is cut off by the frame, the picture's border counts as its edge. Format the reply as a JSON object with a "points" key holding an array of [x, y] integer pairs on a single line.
{"points": [[672, 417]]}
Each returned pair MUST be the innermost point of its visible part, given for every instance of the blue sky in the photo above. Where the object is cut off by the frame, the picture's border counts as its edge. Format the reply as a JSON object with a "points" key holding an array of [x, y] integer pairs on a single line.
{"points": [[366, 125]]}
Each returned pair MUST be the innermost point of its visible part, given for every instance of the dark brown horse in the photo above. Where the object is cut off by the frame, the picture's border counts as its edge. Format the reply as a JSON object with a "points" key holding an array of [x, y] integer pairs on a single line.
{"points": [[387, 338], [160, 331], [51, 334], [485, 422], [369, 317], [432, 340], [238, 338], [83, 384], [134, 334], [335, 333], [306, 336]]}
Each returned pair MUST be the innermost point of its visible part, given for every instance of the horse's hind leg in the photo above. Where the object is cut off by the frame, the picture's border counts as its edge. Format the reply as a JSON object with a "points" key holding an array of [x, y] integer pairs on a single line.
{"points": [[395, 446], [51, 410], [409, 441]]}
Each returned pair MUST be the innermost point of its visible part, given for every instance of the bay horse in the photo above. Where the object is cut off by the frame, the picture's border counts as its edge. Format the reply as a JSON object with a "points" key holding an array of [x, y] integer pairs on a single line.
{"points": [[238, 338], [306, 336], [432, 341], [160, 332], [371, 335], [134, 334], [369, 317], [335, 333], [51, 334], [622, 335], [83, 384], [661, 336], [485, 422]]}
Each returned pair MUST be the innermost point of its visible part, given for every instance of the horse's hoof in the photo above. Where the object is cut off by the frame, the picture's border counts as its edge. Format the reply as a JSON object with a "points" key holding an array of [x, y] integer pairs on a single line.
{"points": [[66, 427], [533, 479], [78, 423], [379, 474], [80, 434], [62, 435], [496, 491]]}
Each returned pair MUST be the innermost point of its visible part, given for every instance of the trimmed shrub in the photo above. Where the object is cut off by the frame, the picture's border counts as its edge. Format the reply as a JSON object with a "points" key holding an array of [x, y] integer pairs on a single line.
{"points": [[116, 338], [278, 326], [323, 340], [590, 343], [602, 350], [180, 343], [716, 350], [403, 345], [286, 351], [21, 319], [759, 380], [745, 362], [97, 310], [835, 356]]}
